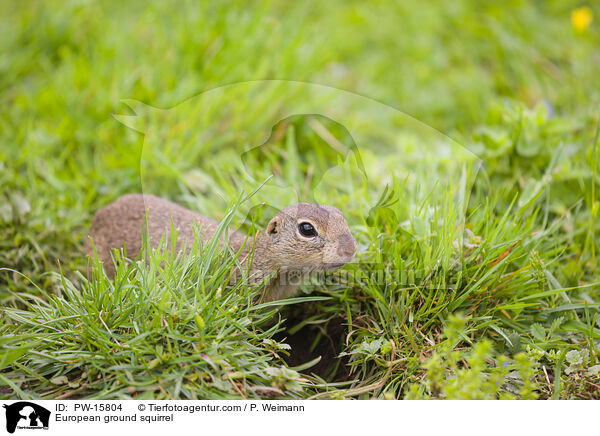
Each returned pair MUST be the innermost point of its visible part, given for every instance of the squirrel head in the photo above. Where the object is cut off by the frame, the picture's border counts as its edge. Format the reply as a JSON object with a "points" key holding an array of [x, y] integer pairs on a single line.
{"points": [[309, 236]]}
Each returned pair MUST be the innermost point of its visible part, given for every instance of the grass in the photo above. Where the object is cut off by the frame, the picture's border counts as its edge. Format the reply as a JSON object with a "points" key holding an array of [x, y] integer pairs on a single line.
{"points": [[477, 273]]}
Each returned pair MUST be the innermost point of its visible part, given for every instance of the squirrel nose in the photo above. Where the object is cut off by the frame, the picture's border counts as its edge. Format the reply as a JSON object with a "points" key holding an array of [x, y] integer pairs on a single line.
{"points": [[347, 246]]}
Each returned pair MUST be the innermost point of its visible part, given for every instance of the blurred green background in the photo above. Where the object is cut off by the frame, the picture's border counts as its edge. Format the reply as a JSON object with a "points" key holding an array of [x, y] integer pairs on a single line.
{"points": [[65, 67]]}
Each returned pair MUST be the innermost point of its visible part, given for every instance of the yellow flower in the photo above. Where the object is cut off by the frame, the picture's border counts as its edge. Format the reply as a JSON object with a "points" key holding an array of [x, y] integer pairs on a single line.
{"points": [[581, 18]]}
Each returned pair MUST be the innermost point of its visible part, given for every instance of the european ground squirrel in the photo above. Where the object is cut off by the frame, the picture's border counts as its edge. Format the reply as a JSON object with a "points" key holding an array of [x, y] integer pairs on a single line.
{"points": [[300, 239]]}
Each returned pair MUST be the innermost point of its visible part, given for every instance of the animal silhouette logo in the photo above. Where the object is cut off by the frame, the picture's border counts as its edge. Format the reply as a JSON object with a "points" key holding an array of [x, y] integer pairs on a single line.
{"points": [[26, 415], [178, 139], [282, 142]]}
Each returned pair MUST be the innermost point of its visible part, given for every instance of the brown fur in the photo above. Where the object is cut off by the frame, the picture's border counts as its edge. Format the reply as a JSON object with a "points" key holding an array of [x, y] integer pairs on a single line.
{"points": [[281, 248]]}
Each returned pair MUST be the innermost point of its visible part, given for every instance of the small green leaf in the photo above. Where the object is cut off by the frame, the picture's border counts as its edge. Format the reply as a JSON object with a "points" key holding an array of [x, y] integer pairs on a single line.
{"points": [[593, 370], [9, 355], [538, 332], [386, 347], [573, 357]]}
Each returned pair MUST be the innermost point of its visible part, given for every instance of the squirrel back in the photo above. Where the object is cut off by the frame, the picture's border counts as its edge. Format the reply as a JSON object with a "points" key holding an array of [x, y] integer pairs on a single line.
{"points": [[300, 239]]}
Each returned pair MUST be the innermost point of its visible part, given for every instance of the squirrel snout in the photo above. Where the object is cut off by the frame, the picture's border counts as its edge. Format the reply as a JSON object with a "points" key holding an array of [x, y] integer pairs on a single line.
{"points": [[346, 246]]}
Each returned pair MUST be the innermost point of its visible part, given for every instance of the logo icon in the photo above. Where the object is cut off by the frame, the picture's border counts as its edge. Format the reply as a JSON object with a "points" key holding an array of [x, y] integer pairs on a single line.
{"points": [[26, 415]]}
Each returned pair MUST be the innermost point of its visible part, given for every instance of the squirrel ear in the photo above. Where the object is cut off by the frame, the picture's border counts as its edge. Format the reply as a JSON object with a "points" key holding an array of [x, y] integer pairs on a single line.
{"points": [[272, 227]]}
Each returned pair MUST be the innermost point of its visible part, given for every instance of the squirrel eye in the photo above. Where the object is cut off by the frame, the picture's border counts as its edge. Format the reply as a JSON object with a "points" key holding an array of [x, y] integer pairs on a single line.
{"points": [[307, 229]]}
